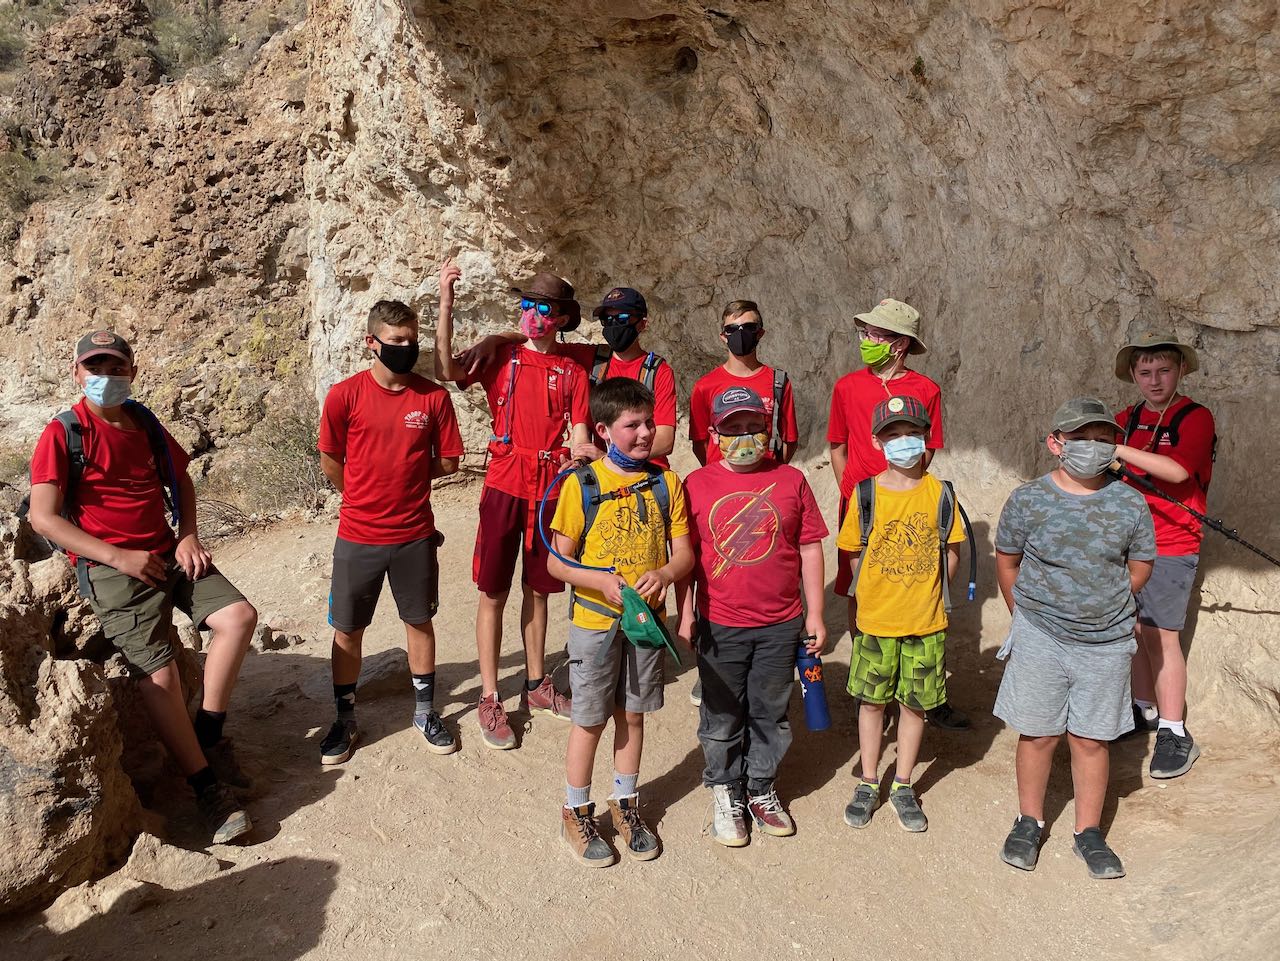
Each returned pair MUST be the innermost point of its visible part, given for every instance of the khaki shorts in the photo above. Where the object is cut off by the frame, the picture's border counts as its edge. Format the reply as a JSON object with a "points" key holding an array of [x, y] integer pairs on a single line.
{"points": [[607, 672], [136, 617]]}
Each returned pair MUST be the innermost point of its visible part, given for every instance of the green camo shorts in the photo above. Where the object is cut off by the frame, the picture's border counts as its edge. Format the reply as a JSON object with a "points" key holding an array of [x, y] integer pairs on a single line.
{"points": [[910, 670]]}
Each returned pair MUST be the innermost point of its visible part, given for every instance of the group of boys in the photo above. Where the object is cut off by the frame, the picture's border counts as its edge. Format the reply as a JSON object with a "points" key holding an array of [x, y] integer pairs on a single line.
{"points": [[579, 490]]}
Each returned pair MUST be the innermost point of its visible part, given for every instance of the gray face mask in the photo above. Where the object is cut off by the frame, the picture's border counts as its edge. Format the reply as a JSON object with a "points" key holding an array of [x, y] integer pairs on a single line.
{"points": [[1084, 459]]}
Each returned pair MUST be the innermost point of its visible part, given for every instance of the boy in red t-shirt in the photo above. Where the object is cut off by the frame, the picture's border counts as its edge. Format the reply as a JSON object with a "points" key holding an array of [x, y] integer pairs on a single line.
{"points": [[759, 575], [385, 435], [111, 520], [538, 400], [1169, 438]]}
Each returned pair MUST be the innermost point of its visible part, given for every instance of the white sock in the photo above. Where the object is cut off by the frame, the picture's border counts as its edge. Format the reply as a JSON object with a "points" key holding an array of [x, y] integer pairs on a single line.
{"points": [[1148, 708], [1177, 727]]}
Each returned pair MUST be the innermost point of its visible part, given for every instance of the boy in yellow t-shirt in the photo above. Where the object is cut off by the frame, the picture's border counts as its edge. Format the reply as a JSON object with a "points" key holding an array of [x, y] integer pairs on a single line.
{"points": [[638, 509], [901, 625]]}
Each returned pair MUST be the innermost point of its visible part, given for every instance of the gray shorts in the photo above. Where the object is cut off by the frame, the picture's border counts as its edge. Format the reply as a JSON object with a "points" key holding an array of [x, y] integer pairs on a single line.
{"points": [[1162, 602], [358, 570], [605, 678], [1051, 686]]}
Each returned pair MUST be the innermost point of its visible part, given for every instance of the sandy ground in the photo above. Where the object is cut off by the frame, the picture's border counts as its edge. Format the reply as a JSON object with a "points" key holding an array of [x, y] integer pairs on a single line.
{"points": [[403, 854]]}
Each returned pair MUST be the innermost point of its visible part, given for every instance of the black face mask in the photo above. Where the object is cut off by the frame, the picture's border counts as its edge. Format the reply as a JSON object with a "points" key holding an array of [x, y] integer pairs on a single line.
{"points": [[620, 336], [398, 358], [743, 342]]}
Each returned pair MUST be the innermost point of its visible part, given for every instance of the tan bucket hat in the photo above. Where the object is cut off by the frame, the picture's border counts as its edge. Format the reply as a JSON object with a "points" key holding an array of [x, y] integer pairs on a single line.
{"points": [[898, 317], [1148, 340]]}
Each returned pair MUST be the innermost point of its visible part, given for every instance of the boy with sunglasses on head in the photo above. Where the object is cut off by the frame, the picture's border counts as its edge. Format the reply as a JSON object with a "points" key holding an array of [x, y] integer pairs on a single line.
{"points": [[538, 400]]}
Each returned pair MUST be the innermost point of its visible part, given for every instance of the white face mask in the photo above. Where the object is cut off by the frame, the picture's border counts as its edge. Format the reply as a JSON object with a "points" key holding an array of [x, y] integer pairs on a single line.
{"points": [[905, 451], [107, 390]]}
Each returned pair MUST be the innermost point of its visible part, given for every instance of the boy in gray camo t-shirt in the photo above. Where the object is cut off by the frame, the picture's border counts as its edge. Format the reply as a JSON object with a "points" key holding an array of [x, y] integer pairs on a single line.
{"points": [[1072, 549]]}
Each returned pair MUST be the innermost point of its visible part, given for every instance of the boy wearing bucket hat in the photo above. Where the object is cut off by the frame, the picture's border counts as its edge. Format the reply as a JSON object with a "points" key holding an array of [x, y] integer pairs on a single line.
{"points": [[104, 478], [622, 549], [1169, 439], [538, 401], [1072, 549]]}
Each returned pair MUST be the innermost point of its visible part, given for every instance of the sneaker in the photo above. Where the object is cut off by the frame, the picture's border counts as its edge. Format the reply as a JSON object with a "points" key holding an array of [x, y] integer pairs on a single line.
{"points": [[433, 731], [338, 743], [545, 699], [1100, 859], [910, 816], [226, 768], [578, 831], [767, 812], [1143, 724], [494, 728], [948, 718], [866, 798], [222, 814], [641, 843], [1173, 755], [1022, 847], [728, 821], [695, 693]]}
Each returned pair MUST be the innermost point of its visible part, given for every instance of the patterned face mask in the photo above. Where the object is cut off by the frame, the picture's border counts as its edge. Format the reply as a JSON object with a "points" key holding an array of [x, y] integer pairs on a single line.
{"points": [[743, 450], [1084, 459], [535, 326]]}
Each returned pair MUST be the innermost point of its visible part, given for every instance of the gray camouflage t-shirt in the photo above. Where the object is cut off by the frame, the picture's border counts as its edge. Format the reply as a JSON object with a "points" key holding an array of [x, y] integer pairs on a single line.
{"points": [[1074, 580]]}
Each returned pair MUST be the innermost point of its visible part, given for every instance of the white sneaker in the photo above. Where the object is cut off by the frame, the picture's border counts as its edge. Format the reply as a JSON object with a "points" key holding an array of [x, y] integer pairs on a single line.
{"points": [[728, 817]]}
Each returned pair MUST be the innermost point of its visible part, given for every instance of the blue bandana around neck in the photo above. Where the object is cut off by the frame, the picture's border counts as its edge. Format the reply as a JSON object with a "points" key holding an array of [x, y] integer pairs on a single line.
{"points": [[622, 460]]}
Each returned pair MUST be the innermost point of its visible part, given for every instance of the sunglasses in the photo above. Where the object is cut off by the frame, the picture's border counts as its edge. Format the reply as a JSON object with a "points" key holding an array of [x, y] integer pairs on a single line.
{"points": [[544, 309], [619, 320], [750, 327]]}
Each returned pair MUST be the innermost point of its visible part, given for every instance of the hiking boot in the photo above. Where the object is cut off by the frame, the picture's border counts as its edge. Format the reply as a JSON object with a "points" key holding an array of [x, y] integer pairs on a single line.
{"points": [[641, 843], [545, 699], [948, 718], [436, 735], [226, 768], [1022, 847], [728, 822], [578, 831], [910, 816], [695, 693], [339, 742], [1173, 755], [494, 728], [866, 798], [767, 812], [1100, 859], [222, 814]]}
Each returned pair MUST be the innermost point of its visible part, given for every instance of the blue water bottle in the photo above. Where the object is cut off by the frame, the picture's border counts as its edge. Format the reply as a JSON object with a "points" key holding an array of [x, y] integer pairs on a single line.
{"points": [[809, 667]]}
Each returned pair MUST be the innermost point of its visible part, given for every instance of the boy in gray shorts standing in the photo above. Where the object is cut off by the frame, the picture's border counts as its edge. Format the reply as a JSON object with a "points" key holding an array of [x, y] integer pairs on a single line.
{"points": [[1072, 548]]}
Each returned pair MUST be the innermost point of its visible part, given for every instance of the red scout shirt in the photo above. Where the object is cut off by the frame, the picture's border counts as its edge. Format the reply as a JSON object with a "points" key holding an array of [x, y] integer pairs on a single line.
{"points": [[664, 384], [747, 532], [710, 385], [386, 440], [120, 498], [852, 403]]}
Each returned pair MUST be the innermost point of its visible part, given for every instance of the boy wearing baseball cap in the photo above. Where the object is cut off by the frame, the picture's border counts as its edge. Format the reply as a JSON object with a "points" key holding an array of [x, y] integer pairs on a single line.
{"points": [[1072, 549], [900, 558], [757, 535], [104, 477]]}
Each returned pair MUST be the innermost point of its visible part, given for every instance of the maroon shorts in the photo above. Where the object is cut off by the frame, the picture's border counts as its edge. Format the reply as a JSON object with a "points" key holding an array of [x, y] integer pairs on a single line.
{"points": [[500, 539], [844, 559]]}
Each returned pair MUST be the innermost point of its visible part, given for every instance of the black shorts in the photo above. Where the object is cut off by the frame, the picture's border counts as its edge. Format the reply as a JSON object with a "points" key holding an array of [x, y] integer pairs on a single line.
{"points": [[358, 570]]}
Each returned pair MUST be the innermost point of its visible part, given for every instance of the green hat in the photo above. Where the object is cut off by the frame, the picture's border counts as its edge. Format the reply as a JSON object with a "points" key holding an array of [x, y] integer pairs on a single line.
{"points": [[1151, 340], [1079, 411], [643, 625], [896, 316]]}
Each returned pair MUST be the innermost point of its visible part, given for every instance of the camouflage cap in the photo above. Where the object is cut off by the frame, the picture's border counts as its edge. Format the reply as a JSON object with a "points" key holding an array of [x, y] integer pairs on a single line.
{"points": [[1152, 340], [1079, 411], [896, 316]]}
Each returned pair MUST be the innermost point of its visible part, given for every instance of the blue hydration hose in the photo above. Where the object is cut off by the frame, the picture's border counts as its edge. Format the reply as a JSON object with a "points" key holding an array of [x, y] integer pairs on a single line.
{"points": [[542, 527]]}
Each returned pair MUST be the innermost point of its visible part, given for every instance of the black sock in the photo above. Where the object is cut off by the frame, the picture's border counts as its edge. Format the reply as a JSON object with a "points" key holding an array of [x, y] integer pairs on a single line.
{"points": [[202, 780], [424, 693], [531, 684], [344, 696], [209, 726]]}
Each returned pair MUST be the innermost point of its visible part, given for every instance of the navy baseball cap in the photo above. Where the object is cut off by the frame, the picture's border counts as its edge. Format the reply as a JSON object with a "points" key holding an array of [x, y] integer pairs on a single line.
{"points": [[735, 400], [622, 299]]}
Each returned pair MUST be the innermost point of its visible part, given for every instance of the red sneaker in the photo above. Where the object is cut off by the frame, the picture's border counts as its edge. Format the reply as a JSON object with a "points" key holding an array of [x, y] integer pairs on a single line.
{"points": [[494, 728], [769, 815], [545, 699]]}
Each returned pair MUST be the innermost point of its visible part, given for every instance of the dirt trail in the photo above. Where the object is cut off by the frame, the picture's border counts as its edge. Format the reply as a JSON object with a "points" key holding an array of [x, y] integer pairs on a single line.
{"points": [[400, 853]]}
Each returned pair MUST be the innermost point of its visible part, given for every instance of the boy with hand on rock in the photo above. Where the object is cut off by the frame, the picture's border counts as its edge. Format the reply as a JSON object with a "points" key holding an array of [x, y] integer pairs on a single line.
{"points": [[102, 477], [612, 526], [904, 557], [757, 534], [385, 435], [1072, 549], [538, 400], [1168, 439]]}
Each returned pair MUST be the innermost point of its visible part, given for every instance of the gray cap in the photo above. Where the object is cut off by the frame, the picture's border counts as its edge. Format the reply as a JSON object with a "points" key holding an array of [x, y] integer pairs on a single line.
{"points": [[1079, 411]]}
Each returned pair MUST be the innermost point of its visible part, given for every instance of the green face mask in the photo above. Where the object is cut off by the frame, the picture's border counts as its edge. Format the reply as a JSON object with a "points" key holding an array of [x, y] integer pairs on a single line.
{"points": [[874, 353]]}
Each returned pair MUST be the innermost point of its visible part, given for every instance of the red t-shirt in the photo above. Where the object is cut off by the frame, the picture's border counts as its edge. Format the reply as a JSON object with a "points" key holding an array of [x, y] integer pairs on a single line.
{"points": [[711, 385], [853, 402], [120, 498], [664, 384], [1177, 532], [747, 532], [550, 396], [386, 440]]}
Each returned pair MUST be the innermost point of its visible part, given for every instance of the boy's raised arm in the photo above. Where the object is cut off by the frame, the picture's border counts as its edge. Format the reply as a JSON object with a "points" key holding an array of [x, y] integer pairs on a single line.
{"points": [[446, 367]]}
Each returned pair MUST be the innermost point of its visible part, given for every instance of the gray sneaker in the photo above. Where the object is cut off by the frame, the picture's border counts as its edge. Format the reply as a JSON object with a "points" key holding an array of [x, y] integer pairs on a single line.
{"points": [[866, 798], [1173, 755], [910, 816], [1102, 862], [695, 693], [222, 814], [1022, 847], [434, 733]]}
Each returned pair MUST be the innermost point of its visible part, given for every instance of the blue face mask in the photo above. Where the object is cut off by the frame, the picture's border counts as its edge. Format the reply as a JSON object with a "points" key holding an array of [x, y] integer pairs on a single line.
{"points": [[107, 391], [904, 452], [622, 460]]}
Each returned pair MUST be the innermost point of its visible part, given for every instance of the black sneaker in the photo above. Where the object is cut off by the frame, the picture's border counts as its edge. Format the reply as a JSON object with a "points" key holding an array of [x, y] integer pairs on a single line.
{"points": [[1173, 755], [226, 768], [1100, 859], [436, 735], [866, 798], [1022, 847], [338, 743], [222, 814], [948, 718]]}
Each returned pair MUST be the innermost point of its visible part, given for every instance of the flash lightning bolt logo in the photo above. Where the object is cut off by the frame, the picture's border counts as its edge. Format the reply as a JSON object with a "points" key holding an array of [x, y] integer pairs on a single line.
{"points": [[749, 528]]}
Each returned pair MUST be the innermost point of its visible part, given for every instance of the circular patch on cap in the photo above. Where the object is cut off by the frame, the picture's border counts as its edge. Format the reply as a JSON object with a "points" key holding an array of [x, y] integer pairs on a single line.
{"points": [[896, 405], [734, 395], [615, 294], [102, 338]]}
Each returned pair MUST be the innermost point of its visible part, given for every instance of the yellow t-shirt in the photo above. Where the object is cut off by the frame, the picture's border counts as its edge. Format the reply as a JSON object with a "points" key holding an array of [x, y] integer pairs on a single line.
{"points": [[899, 590], [618, 537]]}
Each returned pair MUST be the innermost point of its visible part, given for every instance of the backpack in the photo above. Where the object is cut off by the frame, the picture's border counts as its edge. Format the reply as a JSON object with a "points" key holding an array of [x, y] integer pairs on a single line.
{"points": [[775, 436], [600, 367], [1169, 430]]}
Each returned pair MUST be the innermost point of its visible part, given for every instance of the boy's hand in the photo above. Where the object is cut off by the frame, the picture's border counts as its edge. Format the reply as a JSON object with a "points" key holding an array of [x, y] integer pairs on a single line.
{"points": [[140, 565], [585, 453], [684, 634], [480, 354], [817, 631], [193, 558], [613, 591], [652, 586], [450, 274]]}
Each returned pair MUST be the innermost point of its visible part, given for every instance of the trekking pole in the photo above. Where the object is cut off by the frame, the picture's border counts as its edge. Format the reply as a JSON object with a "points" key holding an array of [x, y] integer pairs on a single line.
{"points": [[1228, 532]]}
